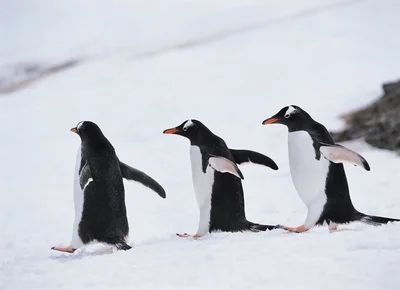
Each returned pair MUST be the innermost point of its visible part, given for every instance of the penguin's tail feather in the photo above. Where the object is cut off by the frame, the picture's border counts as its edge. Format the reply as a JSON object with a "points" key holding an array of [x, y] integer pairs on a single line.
{"points": [[374, 220], [122, 245], [117, 242], [258, 228]]}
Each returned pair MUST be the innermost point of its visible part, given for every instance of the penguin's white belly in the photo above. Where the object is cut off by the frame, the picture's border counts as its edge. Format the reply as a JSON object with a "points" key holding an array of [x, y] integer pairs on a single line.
{"points": [[202, 184], [308, 174], [76, 241]]}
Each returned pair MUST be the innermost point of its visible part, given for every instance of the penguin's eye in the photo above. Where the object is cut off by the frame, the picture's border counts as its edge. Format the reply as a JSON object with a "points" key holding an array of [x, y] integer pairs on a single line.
{"points": [[287, 116], [185, 128]]}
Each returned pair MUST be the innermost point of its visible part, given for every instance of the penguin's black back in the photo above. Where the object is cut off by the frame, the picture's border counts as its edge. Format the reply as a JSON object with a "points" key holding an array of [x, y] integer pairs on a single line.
{"points": [[339, 207], [104, 212], [227, 204], [227, 199]]}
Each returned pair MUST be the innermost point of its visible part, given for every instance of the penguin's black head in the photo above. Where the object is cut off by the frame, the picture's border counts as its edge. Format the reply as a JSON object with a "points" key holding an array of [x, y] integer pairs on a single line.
{"points": [[192, 129], [87, 131], [292, 116]]}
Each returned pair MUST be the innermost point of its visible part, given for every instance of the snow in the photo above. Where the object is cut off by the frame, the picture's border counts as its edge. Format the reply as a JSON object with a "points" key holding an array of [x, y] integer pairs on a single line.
{"points": [[149, 65]]}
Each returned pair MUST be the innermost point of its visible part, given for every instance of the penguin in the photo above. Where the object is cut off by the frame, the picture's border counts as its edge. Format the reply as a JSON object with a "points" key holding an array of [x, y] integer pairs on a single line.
{"points": [[318, 174], [217, 180], [99, 195]]}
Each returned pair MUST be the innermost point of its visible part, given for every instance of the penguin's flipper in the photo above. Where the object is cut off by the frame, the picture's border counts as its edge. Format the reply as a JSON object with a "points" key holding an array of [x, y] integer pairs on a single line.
{"points": [[221, 164], [338, 154], [131, 173], [245, 156], [86, 176]]}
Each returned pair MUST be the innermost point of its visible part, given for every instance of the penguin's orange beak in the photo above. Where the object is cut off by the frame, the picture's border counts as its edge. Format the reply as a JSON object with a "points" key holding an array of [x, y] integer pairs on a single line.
{"points": [[74, 130], [270, 121], [171, 131]]}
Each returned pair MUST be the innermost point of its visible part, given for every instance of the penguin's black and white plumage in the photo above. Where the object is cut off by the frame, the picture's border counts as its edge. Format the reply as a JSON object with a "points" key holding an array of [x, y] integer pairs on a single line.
{"points": [[217, 180], [318, 173], [99, 195]]}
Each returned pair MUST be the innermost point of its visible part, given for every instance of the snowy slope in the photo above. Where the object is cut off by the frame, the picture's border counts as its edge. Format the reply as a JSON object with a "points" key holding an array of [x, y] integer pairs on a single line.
{"points": [[138, 79]]}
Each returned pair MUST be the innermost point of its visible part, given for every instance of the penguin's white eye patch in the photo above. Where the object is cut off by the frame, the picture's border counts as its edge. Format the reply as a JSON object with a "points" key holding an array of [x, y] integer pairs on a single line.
{"points": [[79, 125], [289, 112], [188, 124]]}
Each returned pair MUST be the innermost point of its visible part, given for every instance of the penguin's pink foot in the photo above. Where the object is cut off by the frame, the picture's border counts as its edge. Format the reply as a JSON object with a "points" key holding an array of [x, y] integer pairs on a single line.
{"points": [[68, 249], [333, 228], [298, 229], [185, 235]]}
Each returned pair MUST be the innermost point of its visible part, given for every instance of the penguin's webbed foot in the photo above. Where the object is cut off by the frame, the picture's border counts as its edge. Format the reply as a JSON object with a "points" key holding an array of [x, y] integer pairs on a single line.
{"points": [[333, 228], [299, 229], [68, 249], [185, 235]]}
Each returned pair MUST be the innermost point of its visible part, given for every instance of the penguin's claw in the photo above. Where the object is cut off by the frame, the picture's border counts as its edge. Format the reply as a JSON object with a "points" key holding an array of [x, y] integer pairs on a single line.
{"points": [[298, 229], [68, 249], [185, 235]]}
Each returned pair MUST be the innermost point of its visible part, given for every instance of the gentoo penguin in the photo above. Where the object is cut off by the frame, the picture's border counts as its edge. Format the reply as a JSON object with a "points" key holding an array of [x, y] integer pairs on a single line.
{"points": [[99, 194], [318, 173], [217, 180]]}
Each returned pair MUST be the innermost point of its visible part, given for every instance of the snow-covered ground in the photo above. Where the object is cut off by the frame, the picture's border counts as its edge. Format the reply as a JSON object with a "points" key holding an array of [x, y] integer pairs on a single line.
{"points": [[231, 64]]}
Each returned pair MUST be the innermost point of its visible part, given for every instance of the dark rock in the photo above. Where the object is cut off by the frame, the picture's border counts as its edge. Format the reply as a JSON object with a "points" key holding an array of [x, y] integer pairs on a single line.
{"points": [[378, 123], [16, 77]]}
